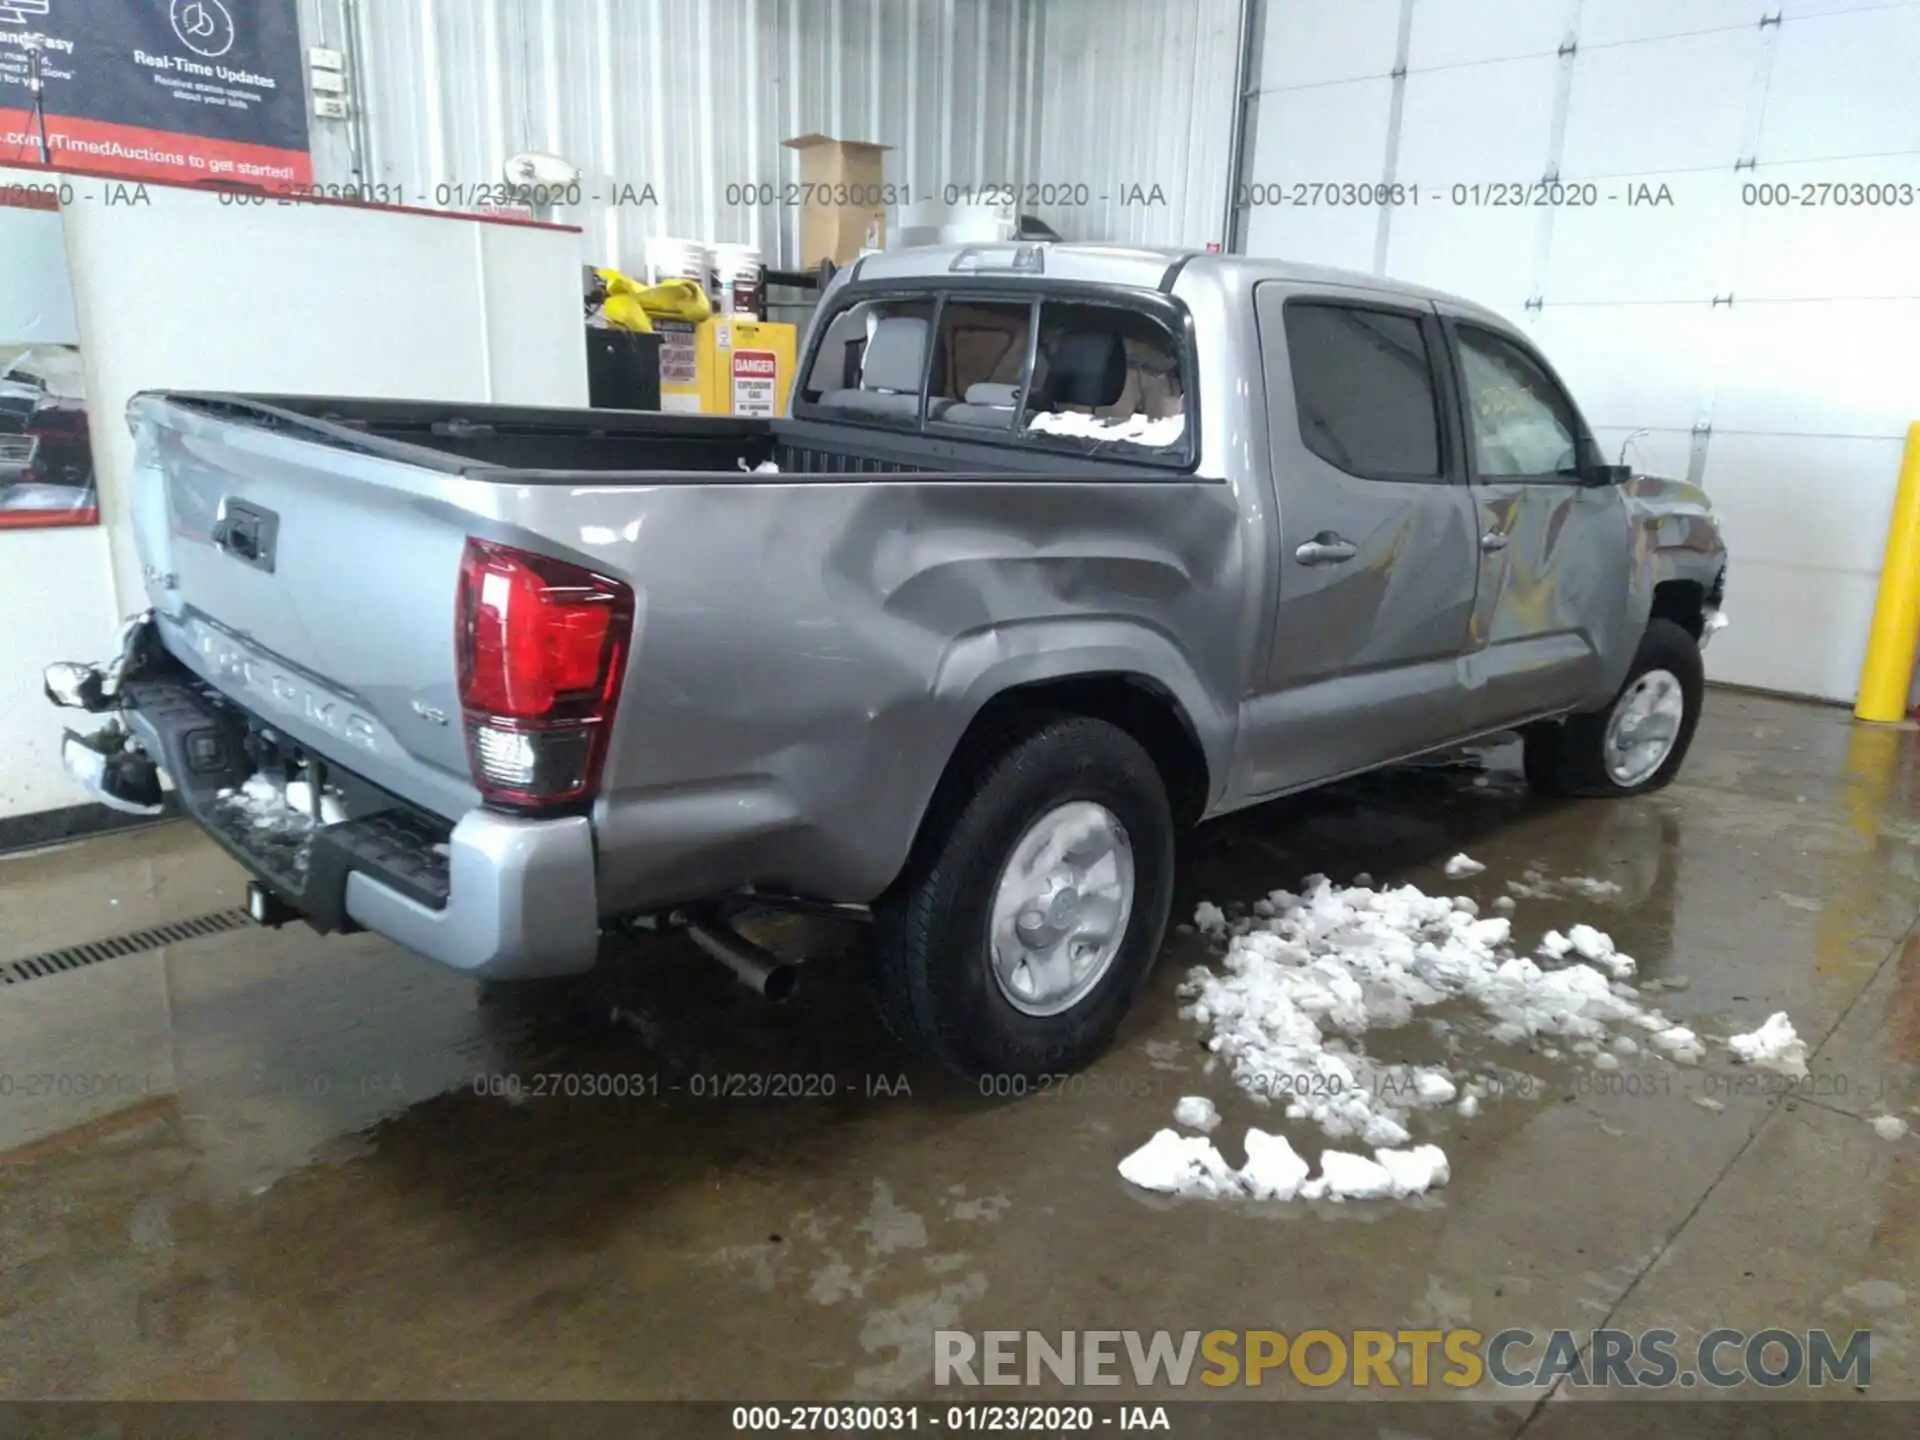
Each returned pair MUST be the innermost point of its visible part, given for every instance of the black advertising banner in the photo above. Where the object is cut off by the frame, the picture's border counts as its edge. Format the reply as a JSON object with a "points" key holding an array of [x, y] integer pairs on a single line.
{"points": [[185, 90]]}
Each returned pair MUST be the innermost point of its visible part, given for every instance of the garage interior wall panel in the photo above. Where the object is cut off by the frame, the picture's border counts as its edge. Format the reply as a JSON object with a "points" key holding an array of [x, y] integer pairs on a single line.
{"points": [[311, 300], [1765, 350], [685, 96], [56, 585], [1134, 95]]}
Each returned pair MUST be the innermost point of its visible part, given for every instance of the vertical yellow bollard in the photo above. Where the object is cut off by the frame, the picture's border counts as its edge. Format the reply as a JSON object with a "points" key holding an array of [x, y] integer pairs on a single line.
{"points": [[1887, 675]]}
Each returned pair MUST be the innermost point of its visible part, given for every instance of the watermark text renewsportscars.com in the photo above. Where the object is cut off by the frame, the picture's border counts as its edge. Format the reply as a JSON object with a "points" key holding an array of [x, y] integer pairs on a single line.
{"points": [[1459, 1359]]}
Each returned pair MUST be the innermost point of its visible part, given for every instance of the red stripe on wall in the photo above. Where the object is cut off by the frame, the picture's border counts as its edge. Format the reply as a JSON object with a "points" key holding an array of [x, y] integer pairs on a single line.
{"points": [[133, 151], [47, 519]]}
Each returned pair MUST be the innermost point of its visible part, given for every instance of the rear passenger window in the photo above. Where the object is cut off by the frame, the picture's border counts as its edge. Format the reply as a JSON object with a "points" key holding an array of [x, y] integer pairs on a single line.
{"points": [[1108, 378], [1363, 386], [980, 363], [872, 360]]}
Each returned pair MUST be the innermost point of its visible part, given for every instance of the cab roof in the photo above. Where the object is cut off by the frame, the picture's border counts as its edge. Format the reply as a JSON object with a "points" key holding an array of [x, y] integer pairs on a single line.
{"points": [[1144, 267]]}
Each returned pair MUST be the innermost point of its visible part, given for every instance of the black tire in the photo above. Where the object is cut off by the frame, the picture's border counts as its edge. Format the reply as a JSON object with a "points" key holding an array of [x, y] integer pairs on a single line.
{"points": [[1569, 758], [1540, 751], [933, 974]]}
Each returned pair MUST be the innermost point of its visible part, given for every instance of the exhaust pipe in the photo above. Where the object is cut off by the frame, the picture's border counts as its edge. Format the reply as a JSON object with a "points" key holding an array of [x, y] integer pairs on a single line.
{"points": [[754, 966]]}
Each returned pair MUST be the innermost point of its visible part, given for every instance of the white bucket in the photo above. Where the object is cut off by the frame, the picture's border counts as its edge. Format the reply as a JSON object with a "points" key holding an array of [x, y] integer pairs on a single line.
{"points": [[670, 259], [738, 280]]}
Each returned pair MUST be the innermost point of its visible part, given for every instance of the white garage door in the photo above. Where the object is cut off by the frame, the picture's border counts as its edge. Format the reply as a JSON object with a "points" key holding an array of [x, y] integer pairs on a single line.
{"points": [[1706, 211]]}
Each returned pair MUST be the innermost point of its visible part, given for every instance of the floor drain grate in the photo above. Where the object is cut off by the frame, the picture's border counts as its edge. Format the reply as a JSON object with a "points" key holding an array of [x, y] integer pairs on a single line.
{"points": [[73, 957]]}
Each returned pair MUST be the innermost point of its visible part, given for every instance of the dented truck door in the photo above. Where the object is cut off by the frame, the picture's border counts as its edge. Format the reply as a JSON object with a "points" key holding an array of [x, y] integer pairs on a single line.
{"points": [[1378, 557], [1556, 549]]}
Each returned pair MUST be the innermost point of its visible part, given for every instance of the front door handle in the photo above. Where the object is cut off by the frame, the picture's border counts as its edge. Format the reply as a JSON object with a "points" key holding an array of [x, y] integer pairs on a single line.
{"points": [[1493, 541], [1326, 548]]}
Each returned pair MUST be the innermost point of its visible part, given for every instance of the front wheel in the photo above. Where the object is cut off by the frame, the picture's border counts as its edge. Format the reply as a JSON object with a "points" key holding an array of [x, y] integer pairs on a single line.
{"points": [[1637, 743], [1030, 914]]}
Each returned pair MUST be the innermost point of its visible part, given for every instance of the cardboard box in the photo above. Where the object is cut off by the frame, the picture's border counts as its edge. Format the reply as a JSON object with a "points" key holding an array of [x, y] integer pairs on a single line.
{"points": [[746, 366], [834, 171]]}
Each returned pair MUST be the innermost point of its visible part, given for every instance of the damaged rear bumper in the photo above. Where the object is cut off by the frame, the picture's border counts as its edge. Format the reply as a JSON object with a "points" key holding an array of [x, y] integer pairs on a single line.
{"points": [[496, 896]]}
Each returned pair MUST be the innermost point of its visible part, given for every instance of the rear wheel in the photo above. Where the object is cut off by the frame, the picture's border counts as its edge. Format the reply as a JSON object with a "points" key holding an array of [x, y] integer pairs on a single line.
{"points": [[1033, 907], [1637, 743]]}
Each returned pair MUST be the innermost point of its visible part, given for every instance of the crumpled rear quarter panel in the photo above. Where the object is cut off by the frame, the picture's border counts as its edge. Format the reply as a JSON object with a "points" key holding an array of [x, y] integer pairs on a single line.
{"points": [[806, 655]]}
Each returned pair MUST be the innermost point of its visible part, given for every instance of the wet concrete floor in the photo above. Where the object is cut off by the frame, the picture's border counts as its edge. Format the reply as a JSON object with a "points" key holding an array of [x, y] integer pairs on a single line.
{"points": [[322, 1168]]}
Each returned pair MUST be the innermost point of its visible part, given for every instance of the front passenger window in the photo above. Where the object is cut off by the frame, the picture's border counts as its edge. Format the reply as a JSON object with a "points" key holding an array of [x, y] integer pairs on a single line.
{"points": [[1520, 423]]}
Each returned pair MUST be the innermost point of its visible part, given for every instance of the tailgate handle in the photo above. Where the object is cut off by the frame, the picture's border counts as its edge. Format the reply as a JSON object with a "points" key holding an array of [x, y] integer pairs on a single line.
{"points": [[248, 533]]}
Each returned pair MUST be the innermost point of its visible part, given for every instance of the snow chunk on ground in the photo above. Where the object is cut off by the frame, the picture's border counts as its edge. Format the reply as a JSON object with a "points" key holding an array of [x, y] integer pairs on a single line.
{"points": [[1354, 1177], [1306, 977], [1176, 1164], [1461, 865], [1196, 1112], [1889, 1127], [1680, 1043], [1333, 962], [1591, 943], [1415, 1171], [1774, 1045], [1391, 1174], [1596, 947], [1274, 1171], [1591, 888]]}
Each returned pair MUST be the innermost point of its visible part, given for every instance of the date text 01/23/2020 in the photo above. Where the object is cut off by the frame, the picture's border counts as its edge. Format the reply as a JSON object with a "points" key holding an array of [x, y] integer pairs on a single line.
{"points": [[1476, 195], [699, 1085], [1008, 1419]]}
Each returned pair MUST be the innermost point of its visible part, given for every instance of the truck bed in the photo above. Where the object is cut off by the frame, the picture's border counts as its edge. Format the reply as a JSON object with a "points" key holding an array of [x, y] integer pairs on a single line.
{"points": [[552, 446], [454, 437]]}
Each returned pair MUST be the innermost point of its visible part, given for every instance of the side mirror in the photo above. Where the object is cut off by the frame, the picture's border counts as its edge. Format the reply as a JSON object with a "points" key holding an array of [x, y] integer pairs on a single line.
{"points": [[1599, 475]]}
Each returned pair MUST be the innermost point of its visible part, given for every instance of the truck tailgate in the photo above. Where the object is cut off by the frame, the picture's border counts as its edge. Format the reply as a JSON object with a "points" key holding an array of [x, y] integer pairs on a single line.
{"points": [[312, 579]]}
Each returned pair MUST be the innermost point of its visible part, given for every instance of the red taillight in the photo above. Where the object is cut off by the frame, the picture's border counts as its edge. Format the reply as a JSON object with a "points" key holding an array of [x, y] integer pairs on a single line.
{"points": [[542, 646]]}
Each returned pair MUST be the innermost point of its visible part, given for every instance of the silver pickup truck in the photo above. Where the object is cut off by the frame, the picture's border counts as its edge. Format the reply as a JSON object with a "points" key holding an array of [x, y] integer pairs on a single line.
{"points": [[1063, 548]]}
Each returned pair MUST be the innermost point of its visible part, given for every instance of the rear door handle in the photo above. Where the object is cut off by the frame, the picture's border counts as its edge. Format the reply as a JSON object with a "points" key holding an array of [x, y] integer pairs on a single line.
{"points": [[1326, 548], [1494, 541]]}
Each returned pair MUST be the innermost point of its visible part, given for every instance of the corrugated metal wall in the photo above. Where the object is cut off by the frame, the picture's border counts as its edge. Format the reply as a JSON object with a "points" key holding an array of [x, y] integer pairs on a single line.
{"points": [[1677, 242], [1135, 94], [685, 96]]}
